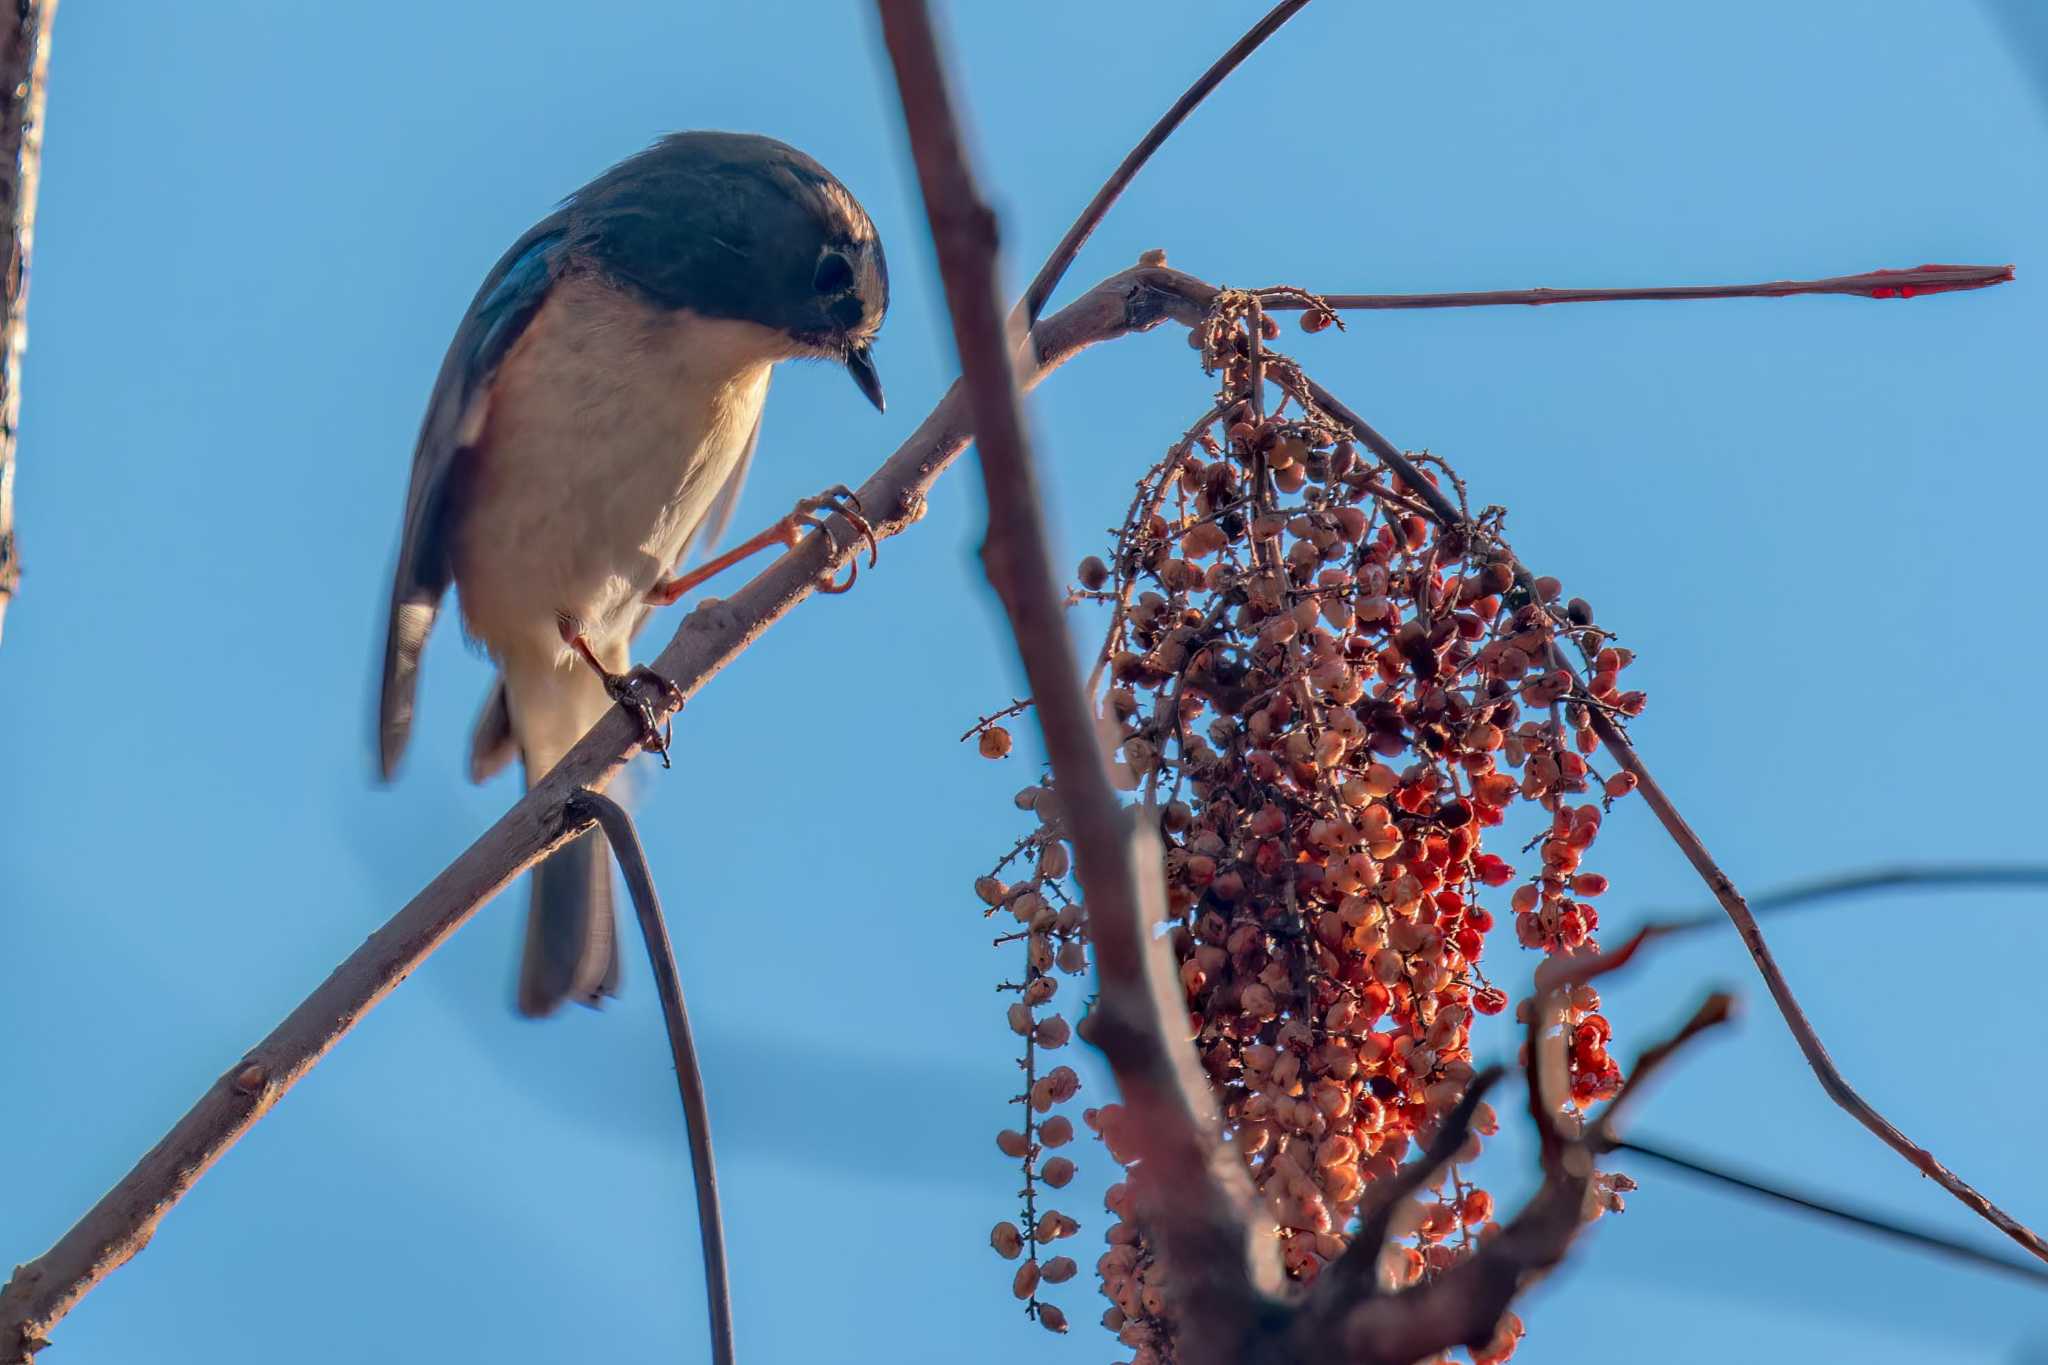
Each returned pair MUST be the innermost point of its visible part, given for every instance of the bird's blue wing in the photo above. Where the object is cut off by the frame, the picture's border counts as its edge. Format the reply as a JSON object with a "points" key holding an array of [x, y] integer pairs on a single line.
{"points": [[510, 297]]}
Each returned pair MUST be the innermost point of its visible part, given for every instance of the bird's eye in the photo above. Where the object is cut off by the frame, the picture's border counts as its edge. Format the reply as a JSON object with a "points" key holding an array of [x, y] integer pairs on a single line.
{"points": [[834, 274]]}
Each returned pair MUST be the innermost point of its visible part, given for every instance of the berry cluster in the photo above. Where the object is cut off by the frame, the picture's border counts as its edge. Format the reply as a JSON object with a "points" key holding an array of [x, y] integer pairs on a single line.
{"points": [[1329, 697]]}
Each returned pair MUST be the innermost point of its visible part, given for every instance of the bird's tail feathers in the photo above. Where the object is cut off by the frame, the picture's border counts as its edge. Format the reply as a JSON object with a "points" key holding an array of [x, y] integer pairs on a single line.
{"points": [[572, 950]]}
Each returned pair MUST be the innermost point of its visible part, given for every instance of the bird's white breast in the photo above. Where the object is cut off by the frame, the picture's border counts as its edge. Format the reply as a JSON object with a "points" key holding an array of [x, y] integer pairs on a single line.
{"points": [[610, 428]]}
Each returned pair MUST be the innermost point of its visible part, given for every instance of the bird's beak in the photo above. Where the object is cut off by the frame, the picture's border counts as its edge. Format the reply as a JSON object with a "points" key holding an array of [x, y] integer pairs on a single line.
{"points": [[860, 363]]}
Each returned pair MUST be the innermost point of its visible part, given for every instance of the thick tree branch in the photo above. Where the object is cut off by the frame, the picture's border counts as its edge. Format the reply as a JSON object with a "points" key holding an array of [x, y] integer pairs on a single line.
{"points": [[24, 70], [668, 984]]}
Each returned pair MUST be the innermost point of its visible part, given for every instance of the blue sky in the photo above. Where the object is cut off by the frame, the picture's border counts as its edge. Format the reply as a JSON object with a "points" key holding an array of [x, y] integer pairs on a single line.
{"points": [[1816, 521]]}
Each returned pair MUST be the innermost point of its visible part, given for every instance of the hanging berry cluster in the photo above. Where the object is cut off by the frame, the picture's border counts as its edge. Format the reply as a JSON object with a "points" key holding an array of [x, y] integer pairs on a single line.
{"points": [[1329, 698]]}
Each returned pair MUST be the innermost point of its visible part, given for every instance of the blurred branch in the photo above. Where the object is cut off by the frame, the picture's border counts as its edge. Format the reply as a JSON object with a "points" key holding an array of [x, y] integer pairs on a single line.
{"points": [[1193, 1193], [24, 72], [1726, 1178], [668, 984], [1874, 284], [1963, 876]]}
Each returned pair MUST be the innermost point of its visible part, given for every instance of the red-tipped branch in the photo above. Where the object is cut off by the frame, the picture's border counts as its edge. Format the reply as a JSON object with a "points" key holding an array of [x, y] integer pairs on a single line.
{"points": [[1875, 284]]}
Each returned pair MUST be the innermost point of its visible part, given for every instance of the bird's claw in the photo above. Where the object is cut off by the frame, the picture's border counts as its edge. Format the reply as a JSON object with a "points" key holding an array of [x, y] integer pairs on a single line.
{"points": [[653, 700], [844, 502]]}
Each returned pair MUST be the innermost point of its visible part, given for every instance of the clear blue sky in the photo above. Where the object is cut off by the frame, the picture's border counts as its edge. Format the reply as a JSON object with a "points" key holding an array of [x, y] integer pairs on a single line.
{"points": [[1817, 521]]}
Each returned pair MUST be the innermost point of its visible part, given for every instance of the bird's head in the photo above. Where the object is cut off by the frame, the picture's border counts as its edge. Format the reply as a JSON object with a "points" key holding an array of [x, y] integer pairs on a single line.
{"points": [[848, 292], [735, 225]]}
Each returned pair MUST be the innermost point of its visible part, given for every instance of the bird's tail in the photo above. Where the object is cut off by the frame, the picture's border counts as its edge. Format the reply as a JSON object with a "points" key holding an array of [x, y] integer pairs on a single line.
{"points": [[572, 950]]}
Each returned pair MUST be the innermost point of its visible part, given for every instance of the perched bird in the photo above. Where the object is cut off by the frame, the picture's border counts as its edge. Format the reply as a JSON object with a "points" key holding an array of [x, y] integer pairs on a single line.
{"points": [[594, 418]]}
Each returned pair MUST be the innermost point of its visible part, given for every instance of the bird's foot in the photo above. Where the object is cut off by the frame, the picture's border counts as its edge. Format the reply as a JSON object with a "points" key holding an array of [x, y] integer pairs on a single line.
{"points": [[841, 500], [650, 698]]}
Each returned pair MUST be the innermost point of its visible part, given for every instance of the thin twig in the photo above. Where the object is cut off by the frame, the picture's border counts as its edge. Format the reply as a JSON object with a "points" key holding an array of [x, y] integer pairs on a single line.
{"points": [[1868, 1221], [1961, 877], [24, 73], [1689, 843], [668, 985], [1048, 277], [1875, 284]]}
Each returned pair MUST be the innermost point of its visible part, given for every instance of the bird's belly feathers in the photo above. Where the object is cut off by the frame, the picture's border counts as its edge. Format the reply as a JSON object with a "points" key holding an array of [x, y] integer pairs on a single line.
{"points": [[610, 429]]}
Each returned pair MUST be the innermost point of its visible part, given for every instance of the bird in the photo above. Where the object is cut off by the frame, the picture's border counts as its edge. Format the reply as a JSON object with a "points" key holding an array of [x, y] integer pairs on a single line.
{"points": [[591, 424]]}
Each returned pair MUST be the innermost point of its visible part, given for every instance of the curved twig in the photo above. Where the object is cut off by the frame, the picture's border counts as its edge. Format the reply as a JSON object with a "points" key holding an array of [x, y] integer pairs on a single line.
{"points": [[618, 829], [1048, 277]]}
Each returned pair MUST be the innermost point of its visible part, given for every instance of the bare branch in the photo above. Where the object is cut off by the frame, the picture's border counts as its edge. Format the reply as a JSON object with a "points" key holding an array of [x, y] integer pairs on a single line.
{"points": [[1867, 1221], [1186, 1193], [24, 72], [668, 984], [1875, 284]]}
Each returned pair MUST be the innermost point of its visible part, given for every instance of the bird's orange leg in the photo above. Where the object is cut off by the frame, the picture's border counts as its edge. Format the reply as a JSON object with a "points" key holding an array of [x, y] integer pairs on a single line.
{"points": [[788, 532], [644, 693]]}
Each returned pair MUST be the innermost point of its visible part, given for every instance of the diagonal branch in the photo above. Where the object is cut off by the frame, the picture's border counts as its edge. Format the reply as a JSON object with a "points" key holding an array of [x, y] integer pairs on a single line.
{"points": [[668, 984], [24, 71], [1874, 284]]}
